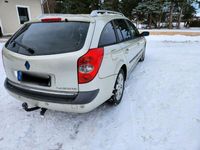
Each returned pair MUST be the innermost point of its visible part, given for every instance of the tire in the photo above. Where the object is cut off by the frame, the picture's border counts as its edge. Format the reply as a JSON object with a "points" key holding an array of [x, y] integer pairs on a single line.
{"points": [[1, 34], [142, 57], [118, 89]]}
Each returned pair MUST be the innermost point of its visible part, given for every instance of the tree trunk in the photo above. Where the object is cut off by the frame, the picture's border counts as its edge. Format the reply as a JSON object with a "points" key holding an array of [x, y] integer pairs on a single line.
{"points": [[171, 14], [48, 7], [160, 19], [160, 14], [115, 5], [150, 21], [179, 19]]}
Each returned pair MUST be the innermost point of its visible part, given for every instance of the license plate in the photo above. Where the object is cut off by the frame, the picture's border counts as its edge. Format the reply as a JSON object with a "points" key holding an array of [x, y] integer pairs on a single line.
{"points": [[32, 78]]}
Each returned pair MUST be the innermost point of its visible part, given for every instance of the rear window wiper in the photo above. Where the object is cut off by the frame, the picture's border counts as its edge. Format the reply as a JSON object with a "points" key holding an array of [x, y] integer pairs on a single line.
{"points": [[30, 50]]}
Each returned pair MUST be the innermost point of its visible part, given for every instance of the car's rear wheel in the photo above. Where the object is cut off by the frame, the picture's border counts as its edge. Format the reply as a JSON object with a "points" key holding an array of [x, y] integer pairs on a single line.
{"points": [[1, 34], [118, 89]]}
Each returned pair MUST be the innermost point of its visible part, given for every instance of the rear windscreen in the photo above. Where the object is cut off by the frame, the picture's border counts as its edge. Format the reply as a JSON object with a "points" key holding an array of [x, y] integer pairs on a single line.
{"points": [[49, 38]]}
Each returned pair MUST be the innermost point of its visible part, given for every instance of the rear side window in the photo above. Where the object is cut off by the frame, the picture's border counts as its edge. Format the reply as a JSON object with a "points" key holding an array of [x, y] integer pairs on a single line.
{"points": [[122, 29], [108, 36], [134, 31], [49, 38]]}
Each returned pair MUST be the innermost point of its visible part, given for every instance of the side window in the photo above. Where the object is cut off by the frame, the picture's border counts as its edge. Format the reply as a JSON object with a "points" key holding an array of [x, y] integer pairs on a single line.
{"points": [[108, 36], [123, 30], [118, 30], [134, 31]]}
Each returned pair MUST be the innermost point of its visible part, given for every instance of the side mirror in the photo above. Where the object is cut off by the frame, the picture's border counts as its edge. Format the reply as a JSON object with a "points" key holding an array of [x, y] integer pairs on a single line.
{"points": [[144, 33]]}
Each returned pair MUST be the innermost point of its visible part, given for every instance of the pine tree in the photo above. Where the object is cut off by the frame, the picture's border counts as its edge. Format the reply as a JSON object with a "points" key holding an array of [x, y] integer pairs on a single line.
{"points": [[114, 5], [127, 6], [179, 7], [77, 6], [150, 9], [185, 7]]}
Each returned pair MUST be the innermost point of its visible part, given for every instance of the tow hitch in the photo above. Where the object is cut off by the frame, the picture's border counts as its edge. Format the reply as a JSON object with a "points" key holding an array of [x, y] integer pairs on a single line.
{"points": [[27, 109]]}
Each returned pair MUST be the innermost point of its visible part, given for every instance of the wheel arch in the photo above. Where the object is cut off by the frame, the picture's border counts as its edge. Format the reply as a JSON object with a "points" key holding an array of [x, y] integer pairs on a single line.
{"points": [[121, 65]]}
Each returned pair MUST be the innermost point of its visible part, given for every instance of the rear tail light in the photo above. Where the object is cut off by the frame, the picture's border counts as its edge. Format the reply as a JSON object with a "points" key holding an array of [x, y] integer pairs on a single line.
{"points": [[51, 19], [89, 64]]}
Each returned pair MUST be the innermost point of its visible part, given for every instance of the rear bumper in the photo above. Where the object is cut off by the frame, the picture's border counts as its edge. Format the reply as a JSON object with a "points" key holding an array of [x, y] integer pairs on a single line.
{"points": [[79, 98]]}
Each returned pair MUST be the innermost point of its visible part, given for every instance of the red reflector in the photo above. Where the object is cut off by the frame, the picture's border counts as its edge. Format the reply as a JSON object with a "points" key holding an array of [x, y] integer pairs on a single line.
{"points": [[51, 19], [89, 64]]}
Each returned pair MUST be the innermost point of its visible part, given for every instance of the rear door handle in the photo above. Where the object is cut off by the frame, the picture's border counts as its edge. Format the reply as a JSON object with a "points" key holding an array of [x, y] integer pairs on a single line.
{"points": [[113, 50], [126, 51]]}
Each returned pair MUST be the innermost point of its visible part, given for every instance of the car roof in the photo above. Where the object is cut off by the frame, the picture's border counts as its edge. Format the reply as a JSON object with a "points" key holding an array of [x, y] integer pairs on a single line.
{"points": [[96, 15]]}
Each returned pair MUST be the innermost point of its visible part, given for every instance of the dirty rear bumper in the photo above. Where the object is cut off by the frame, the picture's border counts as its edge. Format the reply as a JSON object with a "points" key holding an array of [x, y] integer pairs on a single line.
{"points": [[49, 96]]}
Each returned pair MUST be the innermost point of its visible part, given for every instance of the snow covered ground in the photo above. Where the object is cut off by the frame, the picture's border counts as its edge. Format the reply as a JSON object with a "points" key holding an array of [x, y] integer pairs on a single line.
{"points": [[160, 109], [194, 29]]}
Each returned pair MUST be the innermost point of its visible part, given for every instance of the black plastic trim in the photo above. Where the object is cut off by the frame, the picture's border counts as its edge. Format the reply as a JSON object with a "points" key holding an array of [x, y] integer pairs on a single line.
{"points": [[79, 98]]}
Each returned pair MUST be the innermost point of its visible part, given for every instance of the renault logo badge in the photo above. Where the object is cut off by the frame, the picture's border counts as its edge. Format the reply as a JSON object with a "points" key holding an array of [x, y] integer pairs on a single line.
{"points": [[27, 65]]}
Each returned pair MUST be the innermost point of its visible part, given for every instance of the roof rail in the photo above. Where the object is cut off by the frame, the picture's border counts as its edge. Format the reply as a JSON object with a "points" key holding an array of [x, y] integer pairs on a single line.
{"points": [[95, 13]]}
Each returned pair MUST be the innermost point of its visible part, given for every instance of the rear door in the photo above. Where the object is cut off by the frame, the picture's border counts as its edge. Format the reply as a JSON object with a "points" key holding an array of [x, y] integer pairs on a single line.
{"points": [[47, 51], [112, 50], [136, 36], [127, 42]]}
